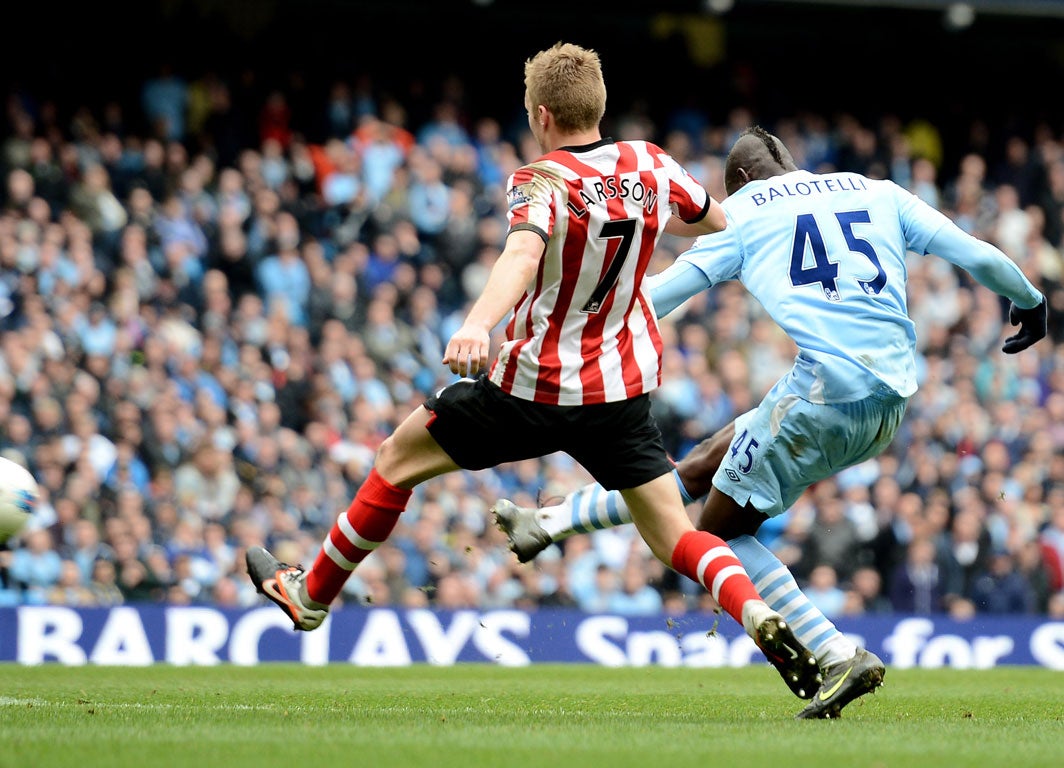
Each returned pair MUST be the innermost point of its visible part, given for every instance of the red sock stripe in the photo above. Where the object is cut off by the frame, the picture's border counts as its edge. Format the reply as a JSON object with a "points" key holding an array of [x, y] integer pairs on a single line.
{"points": [[365, 525], [348, 549], [370, 520], [702, 556]]}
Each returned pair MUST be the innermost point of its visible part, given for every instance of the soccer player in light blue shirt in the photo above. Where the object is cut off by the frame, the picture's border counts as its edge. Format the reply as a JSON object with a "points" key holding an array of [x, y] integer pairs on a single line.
{"points": [[825, 255]]}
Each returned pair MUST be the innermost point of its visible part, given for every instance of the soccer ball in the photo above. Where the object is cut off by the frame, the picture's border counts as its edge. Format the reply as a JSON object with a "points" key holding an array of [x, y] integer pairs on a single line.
{"points": [[18, 498]]}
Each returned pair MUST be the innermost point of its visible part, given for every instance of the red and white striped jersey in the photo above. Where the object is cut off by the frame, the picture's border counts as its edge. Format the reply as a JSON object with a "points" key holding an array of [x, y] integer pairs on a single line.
{"points": [[585, 332]]}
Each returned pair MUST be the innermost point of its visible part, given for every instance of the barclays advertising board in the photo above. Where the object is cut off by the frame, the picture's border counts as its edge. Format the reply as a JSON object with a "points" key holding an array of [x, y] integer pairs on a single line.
{"points": [[147, 634]]}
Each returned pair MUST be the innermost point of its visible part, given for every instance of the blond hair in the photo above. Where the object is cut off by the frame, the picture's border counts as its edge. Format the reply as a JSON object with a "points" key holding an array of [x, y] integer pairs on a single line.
{"points": [[567, 80]]}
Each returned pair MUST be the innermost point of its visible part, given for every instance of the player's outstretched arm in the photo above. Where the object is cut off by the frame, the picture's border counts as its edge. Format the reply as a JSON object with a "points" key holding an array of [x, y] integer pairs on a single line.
{"points": [[996, 271], [674, 285]]}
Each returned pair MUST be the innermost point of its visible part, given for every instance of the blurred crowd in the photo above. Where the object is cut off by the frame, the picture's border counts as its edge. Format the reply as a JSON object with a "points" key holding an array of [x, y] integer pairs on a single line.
{"points": [[211, 317]]}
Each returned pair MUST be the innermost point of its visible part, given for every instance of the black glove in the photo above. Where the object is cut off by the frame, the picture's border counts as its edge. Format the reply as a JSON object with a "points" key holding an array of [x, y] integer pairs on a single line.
{"points": [[1032, 324]]}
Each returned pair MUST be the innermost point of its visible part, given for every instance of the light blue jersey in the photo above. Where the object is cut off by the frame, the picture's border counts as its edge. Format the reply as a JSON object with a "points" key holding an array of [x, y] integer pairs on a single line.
{"points": [[825, 255]]}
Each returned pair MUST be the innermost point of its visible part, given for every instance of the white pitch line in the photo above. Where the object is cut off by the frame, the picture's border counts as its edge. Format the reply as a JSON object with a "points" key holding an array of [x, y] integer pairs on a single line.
{"points": [[10, 701]]}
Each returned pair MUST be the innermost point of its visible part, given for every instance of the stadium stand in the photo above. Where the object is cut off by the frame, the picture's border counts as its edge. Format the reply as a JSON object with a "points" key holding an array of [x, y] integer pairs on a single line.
{"points": [[218, 293]]}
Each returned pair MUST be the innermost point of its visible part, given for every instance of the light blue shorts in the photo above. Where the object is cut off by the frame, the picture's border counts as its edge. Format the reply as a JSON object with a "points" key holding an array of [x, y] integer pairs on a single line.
{"points": [[787, 443]]}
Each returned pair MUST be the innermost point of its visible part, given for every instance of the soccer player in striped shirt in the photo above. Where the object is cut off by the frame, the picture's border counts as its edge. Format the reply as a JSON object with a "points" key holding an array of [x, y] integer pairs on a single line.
{"points": [[581, 356], [825, 256]]}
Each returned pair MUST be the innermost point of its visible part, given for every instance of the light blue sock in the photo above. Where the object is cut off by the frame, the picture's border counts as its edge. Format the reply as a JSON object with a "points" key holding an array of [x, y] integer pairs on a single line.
{"points": [[687, 498], [592, 508], [779, 589]]}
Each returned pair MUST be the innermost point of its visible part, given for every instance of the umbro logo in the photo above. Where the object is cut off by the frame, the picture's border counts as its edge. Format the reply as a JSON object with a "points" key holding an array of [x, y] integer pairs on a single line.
{"points": [[732, 475]]}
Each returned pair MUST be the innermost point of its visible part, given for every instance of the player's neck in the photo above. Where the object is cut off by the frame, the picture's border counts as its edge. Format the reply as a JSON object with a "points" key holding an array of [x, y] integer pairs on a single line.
{"points": [[573, 139]]}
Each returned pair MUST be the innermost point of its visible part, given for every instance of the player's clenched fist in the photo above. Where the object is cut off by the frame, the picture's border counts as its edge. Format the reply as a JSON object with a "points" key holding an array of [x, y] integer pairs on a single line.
{"points": [[467, 351]]}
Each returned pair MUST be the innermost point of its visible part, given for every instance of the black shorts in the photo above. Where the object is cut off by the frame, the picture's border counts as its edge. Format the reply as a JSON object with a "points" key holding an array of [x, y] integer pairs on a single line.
{"points": [[480, 426]]}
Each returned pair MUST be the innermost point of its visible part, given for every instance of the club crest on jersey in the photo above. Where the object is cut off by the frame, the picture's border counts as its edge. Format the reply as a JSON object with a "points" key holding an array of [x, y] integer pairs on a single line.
{"points": [[519, 195]]}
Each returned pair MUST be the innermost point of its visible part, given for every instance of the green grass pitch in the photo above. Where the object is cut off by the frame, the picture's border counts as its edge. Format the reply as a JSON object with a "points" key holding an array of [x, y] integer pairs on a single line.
{"points": [[482, 715]]}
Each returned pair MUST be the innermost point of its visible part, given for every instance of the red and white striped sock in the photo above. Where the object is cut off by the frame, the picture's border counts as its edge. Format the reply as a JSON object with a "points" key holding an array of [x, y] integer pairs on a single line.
{"points": [[707, 559], [360, 530]]}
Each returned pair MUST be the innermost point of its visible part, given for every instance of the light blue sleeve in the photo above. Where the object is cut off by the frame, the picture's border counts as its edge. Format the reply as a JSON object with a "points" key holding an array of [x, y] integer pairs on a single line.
{"points": [[988, 265], [712, 259], [671, 288], [930, 231]]}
